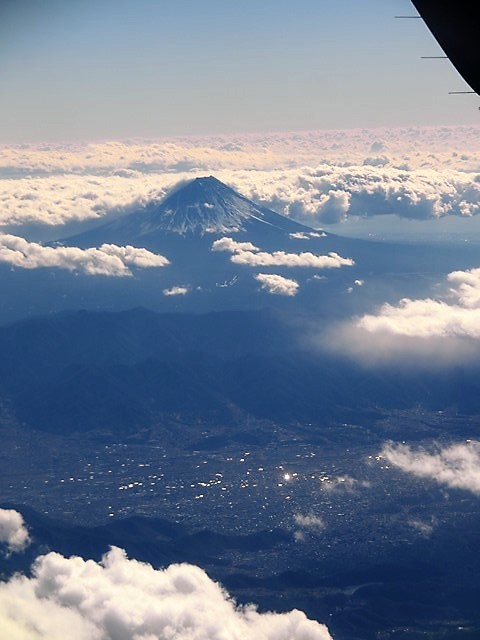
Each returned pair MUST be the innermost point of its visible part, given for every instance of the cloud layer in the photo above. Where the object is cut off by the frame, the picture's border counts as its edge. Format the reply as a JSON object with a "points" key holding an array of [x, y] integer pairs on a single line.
{"points": [[13, 531], [319, 177], [107, 260], [416, 146], [456, 466], [124, 599]]}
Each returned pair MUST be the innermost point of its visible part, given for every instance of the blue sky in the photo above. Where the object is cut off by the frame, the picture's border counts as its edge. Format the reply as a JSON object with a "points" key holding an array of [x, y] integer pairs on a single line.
{"points": [[99, 69]]}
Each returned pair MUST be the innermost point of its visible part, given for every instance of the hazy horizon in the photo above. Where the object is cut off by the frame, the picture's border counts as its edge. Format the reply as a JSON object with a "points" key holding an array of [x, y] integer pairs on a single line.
{"points": [[108, 70]]}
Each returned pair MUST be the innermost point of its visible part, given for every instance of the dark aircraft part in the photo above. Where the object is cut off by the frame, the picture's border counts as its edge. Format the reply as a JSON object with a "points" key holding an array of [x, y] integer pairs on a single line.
{"points": [[455, 26]]}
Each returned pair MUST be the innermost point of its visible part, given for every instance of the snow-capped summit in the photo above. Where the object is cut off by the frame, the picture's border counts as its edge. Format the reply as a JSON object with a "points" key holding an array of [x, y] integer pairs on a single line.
{"points": [[206, 205], [203, 207]]}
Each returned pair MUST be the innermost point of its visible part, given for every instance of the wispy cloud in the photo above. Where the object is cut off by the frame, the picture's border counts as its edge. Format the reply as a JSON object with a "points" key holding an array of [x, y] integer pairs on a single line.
{"points": [[122, 598], [277, 285], [107, 260], [456, 466], [424, 527], [309, 524], [344, 483]]}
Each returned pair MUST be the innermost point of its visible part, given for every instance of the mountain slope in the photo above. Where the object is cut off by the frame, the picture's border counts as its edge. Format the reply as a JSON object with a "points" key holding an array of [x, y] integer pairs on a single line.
{"points": [[133, 371], [264, 259], [203, 207]]}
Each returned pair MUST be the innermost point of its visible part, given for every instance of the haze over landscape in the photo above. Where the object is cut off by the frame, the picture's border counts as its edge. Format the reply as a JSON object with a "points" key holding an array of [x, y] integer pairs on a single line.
{"points": [[239, 379]]}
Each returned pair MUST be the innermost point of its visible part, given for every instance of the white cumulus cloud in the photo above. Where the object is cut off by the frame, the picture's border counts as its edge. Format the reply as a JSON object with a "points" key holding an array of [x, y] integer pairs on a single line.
{"points": [[456, 466], [277, 285], [121, 598], [176, 291], [13, 531], [107, 260], [423, 319], [232, 246], [439, 330], [283, 259], [246, 253]]}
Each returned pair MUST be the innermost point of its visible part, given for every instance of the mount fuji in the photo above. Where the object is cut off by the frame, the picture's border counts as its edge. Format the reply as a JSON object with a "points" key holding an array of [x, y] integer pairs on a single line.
{"points": [[203, 207], [218, 251]]}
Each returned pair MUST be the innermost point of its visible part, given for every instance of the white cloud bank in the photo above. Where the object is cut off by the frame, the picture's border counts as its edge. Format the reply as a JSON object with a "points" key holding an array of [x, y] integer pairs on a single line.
{"points": [[456, 466], [107, 260], [277, 285], [319, 177], [124, 599], [440, 330], [13, 531]]}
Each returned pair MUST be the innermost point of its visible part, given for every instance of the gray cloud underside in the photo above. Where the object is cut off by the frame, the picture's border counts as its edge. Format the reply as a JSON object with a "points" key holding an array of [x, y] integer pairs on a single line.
{"points": [[121, 598]]}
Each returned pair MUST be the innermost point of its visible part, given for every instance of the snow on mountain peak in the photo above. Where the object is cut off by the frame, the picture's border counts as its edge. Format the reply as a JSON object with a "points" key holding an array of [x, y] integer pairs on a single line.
{"points": [[206, 205]]}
